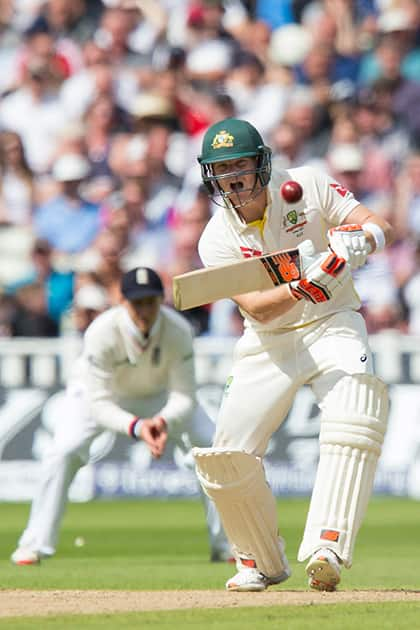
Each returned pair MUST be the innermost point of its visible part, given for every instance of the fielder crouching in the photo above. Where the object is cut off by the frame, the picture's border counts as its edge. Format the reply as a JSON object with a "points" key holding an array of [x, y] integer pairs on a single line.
{"points": [[136, 377], [306, 332]]}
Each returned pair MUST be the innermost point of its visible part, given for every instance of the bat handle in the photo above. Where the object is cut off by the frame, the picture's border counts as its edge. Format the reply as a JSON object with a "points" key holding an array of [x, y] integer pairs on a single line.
{"points": [[177, 298]]}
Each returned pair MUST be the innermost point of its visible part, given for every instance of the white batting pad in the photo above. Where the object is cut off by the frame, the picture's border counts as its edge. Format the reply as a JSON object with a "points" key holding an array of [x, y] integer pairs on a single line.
{"points": [[236, 482], [353, 425]]}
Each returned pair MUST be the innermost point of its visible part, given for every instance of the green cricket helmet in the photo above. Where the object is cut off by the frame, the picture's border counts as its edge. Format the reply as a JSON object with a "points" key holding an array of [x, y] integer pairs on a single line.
{"points": [[232, 139]]}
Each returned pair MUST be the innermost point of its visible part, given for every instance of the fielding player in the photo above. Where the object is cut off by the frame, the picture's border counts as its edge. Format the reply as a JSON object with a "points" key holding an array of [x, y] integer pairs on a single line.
{"points": [[135, 376], [306, 332]]}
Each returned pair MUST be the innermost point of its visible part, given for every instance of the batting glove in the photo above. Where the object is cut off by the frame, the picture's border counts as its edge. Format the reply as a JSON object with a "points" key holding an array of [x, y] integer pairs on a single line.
{"points": [[349, 242], [322, 278]]}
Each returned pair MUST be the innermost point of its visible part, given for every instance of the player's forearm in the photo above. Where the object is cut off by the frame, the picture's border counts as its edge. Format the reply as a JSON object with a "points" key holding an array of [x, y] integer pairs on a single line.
{"points": [[109, 415], [364, 217], [264, 306], [178, 411], [371, 232]]}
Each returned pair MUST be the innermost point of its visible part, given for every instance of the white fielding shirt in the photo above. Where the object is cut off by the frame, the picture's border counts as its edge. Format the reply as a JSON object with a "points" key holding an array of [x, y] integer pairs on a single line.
{"points": [[122, 379], [324, 204]]}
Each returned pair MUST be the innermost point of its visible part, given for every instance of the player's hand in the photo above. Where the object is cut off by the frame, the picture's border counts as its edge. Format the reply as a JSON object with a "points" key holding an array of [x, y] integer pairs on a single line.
{"points": [[322, 278], [350, 242], [154, 432]]}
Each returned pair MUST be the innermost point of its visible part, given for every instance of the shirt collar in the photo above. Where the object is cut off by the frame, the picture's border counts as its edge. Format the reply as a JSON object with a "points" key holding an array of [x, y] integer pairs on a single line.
{"points": [[136, 333], [239, 225]]}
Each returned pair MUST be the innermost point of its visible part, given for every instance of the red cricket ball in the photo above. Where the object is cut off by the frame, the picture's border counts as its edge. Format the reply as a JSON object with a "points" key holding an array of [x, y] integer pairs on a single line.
{"points": [[291, 191]]}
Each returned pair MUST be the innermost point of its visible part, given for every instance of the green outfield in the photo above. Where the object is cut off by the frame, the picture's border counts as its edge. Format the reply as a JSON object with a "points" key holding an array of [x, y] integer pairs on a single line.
{"points": [[162, 545]]}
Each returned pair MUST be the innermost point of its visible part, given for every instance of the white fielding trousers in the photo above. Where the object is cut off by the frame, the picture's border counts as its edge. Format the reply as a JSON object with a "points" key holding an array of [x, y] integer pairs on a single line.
{"points": [[69, 451]]}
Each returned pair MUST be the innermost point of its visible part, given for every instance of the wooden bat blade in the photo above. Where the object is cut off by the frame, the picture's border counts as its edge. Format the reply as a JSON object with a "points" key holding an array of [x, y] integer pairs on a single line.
{"points": [[204, 286]]}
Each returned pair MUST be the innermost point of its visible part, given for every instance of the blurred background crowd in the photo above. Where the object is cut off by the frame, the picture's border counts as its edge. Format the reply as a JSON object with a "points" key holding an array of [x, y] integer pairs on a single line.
{"points": [[103, 105]]}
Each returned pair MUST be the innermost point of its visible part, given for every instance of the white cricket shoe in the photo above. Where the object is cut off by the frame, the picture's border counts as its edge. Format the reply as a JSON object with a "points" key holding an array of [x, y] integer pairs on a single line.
{"points": [[323, 570], [250, 579], [25, 556]]}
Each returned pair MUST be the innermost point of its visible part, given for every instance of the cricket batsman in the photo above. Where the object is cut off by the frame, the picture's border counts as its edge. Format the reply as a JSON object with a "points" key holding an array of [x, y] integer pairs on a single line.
{"points": [[306, 332], [135, 377]]}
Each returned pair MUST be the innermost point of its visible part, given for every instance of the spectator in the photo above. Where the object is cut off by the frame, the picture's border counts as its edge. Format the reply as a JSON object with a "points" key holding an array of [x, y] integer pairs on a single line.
{"points": [[288, 145], [288, 47], [58, 285], [404, 94], [40, 45], [378, 168], [123, 213], [68, 222], [102, 263], [17, 188], [102, 119], [208, 63], [10, 39], [397, 27], [8, 308], [204, 23], [31, 318], [321, 68], [348, 164], [113, 35], [89, 302], [255, 99], [197, 108], [33, 111], [308, 118], [379, 127], [69, 21], [96, 79], [144, 155]]}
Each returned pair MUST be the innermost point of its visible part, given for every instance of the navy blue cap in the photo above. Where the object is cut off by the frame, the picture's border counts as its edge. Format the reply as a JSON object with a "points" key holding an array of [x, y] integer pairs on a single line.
{"points": [[141, 282]]}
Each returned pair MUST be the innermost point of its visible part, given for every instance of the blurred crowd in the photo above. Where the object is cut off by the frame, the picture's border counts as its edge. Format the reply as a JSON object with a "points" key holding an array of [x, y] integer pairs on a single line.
{"points": [[103, 105]]}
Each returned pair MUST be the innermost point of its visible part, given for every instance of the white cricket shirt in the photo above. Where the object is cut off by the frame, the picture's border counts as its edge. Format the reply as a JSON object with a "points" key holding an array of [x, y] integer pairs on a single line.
{"points": [[121, 378], [324, 204]]}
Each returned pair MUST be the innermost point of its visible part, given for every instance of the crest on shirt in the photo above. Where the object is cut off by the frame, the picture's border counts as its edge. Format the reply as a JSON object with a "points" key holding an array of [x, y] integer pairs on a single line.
{"points": [[222, 139], [295, 222]]}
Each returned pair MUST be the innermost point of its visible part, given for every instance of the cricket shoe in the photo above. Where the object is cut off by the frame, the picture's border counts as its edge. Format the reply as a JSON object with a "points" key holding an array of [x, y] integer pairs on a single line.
{"points": [[24, 556], [323, 570], [250, 579]]}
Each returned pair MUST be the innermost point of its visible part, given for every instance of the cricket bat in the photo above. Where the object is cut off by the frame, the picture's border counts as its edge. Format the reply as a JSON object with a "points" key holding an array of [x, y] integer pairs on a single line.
{"points": [[258, 273]]}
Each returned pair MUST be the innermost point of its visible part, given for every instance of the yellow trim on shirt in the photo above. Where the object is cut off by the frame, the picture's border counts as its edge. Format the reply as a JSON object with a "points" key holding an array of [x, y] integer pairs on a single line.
{"points": [[259, 223]]}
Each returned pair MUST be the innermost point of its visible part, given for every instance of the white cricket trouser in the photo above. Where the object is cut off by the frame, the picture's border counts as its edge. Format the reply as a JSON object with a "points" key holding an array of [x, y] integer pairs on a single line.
{"points": [[269, 369], [69, 451]]}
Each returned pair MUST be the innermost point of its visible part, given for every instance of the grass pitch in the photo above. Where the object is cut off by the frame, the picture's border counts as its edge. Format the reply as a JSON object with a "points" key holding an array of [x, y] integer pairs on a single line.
{"points": [[162, 545]]}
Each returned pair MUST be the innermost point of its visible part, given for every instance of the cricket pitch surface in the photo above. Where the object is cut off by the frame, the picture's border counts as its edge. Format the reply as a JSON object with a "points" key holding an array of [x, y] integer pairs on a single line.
{"points": [[19, 602]]}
